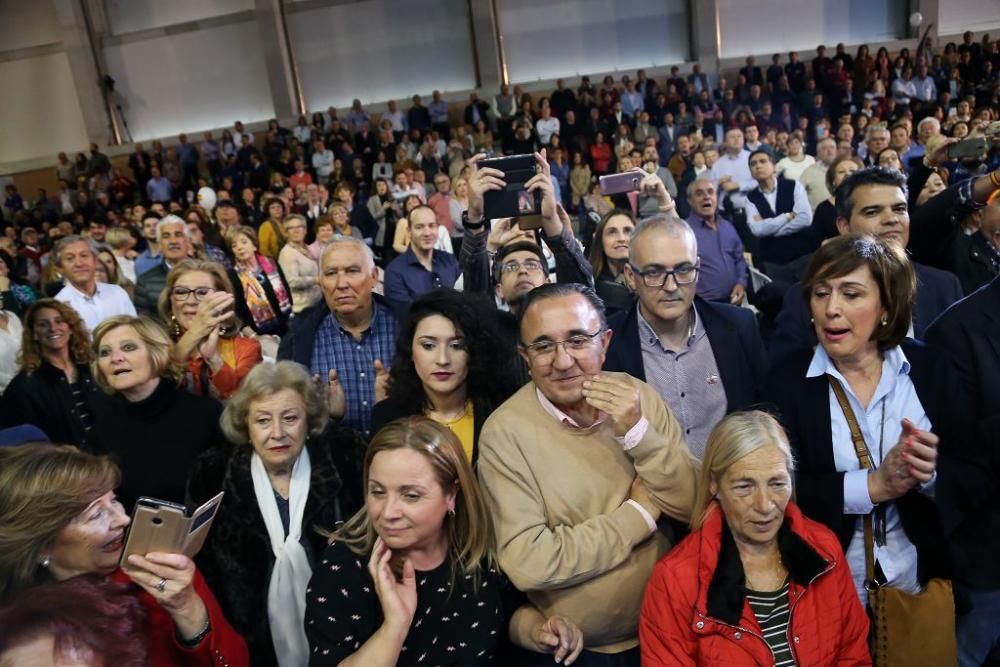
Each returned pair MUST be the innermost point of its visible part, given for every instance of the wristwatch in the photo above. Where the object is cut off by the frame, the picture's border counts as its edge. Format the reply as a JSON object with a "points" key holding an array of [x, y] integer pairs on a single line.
{"points": [[470, 225]]}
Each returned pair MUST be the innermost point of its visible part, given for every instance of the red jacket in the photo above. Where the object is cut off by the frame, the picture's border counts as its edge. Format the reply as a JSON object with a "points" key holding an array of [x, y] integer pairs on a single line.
{"points": [[222, 645], [682, 624]]}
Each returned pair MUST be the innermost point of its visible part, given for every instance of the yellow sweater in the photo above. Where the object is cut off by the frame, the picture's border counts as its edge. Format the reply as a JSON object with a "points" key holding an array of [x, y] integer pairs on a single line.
{"points": [[564, 533]]}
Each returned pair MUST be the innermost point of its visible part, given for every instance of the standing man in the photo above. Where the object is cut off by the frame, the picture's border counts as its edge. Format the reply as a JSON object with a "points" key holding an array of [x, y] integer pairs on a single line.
{"points": [[704, 359], [778, 213], [175, 243], [350, 335], [421, 268], [94, 301], [577, 467], [813, 179], [722, 274]]}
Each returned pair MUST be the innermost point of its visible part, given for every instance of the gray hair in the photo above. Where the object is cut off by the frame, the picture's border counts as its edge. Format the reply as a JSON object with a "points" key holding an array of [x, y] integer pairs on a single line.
{"points": [[350, 240], [266, 380], [172, 220], [670, 225], [929, 120], [66, 241]]}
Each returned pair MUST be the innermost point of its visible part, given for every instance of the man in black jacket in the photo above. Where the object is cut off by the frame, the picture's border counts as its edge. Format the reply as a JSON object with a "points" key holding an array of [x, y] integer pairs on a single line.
{"points": [[969, 487], [705, 359], [869, 201]]}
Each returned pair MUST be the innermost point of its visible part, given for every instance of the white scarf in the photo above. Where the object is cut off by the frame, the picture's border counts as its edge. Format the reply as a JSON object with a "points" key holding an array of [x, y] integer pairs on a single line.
{"points": [[286, 593]]}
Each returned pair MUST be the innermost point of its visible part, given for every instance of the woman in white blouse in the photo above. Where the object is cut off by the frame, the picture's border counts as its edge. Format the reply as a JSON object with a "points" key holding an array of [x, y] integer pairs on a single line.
{"points": [[301, 269]]}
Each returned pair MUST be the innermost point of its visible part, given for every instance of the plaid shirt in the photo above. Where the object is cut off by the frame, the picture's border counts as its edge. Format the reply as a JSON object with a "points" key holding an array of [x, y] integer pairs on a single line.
{"points": [[354, 362]]}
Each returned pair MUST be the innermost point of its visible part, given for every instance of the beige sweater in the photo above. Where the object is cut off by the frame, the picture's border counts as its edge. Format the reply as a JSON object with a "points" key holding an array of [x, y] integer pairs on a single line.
{"points": [[564, 533]]}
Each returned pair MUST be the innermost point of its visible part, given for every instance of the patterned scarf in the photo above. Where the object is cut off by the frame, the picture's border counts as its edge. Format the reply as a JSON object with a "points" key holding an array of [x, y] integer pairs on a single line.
{"points": [[264, 317]]}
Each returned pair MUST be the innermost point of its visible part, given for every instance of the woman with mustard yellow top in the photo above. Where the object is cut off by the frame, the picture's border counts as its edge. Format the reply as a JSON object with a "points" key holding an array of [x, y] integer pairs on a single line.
{"points": [[449, 366]]}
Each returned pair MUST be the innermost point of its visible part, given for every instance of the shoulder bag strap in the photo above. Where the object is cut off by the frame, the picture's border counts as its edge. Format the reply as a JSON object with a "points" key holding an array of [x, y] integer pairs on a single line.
{"points": [[861, 449]]}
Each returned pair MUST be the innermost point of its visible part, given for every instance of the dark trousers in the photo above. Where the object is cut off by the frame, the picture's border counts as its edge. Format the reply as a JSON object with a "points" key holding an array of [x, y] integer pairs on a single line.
{"points": [[628, 658]]}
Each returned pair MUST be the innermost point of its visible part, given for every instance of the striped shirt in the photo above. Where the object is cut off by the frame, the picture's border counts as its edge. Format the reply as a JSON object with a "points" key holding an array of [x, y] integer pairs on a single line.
{"points": [[772, 612]]}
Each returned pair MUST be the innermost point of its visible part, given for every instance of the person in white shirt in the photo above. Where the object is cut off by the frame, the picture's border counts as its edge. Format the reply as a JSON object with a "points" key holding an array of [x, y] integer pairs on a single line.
{"points": [[903, 88], [796, 161], [546, 126], [10, 344], [94, 301], [732, 171], [396, 117], [322, 161], [925, 86], [813, 178]]}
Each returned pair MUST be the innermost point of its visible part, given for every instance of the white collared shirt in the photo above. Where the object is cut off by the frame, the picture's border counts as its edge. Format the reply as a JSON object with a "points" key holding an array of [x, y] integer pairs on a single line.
{"points": [[108, 301], [896, 395]]}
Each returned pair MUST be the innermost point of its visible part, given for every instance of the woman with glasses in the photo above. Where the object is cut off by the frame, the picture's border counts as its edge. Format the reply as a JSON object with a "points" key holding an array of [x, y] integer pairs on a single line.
{"points": [[197, 307], [860, 292], [705, 359], [449, 366], [300, 267]]}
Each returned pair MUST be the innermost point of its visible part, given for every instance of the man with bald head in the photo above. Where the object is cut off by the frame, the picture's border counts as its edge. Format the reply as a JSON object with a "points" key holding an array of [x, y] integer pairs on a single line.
{"points": [[704, 359], [723, 273]]}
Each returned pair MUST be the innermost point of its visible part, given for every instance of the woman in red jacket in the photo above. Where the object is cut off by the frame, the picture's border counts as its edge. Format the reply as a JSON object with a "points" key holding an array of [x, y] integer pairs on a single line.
{"points": [[59, 519], [756, 583]]}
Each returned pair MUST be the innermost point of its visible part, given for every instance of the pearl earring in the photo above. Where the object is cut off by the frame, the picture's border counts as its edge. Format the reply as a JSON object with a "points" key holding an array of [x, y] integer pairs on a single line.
{"points": [[45, 563], [885, 320]]}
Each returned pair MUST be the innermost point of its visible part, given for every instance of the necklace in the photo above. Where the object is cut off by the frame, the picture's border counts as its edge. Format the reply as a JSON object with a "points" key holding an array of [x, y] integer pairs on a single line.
{"points": [[780, 571], [444, 421]]}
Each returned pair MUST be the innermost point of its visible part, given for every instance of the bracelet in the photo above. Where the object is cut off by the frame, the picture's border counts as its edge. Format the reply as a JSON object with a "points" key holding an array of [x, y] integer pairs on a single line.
{"points": [[469, 224], [995, 180], [928, 163], [194, 641]]}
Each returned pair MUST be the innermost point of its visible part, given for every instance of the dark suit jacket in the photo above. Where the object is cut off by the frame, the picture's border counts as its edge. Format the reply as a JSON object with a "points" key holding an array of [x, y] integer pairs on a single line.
{"points": [[936, 290], [970, 260], [732, 333], [968, 334], [803, 406]]}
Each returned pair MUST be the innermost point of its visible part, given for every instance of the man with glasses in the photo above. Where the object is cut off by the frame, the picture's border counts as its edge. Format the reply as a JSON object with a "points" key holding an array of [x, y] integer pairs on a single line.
{"points": [[576, 468], [704, 359]]}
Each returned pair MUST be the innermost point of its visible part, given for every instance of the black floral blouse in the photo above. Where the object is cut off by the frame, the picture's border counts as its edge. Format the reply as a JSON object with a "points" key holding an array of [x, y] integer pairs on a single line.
{"points": [[453, 628]]}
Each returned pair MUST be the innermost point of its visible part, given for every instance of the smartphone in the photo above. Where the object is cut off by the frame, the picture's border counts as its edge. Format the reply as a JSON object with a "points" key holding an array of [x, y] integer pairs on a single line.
{"points": [[971, 147], [627, 181], [513, 201], [160, 525]]}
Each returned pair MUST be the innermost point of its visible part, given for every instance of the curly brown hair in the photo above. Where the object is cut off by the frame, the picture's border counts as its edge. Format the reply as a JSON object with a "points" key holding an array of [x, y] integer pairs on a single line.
{"points": [[30, 357]]}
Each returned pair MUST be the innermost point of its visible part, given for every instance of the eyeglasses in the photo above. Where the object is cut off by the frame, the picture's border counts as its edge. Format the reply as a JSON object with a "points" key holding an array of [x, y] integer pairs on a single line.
{"points": [[182, 293], [292, 228], [530, 265], [656, 276], [545, 350]]}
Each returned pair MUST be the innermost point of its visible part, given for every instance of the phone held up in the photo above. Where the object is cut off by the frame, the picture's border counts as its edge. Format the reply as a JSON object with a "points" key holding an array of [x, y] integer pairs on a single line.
{"points": [[627, 181], [513, 201], [973, 147], [166, 527]]}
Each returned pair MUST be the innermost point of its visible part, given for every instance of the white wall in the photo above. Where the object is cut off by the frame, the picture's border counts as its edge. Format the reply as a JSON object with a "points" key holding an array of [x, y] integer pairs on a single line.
{"points": [[778, 26], [381, 49], [42, 116], [132, 15], [553, 38], [24, 24], [957, 16], [192, 81]]}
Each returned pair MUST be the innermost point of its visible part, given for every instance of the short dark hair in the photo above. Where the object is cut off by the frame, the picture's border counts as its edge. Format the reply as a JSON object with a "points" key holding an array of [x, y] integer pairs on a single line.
{"points": [[875, 175], [555, 290], [890, 268], [517, 246], [761, 151]]}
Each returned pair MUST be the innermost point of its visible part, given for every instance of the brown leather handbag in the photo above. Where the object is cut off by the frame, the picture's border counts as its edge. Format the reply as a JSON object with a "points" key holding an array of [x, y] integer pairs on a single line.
{"points": [[907, 630]]}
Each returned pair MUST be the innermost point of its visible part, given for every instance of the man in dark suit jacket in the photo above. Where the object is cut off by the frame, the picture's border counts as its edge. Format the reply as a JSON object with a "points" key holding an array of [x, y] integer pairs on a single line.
{"points": [[968, 486], [869, 201], [476, 110], [705, 359]]}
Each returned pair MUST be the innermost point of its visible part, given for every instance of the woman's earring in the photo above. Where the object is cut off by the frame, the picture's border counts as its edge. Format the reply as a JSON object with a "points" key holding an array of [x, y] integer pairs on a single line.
{"points": [[176, 326], [885, 320], [451, 512], [45, 562], [812, 320]]}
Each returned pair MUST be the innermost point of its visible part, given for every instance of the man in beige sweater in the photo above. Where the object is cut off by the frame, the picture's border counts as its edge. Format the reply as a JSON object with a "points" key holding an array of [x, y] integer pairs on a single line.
{"points": [[577, 467]]}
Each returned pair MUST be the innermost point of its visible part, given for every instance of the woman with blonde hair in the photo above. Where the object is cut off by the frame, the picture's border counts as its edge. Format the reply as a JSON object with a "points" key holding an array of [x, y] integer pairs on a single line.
{"points": [[756, 582], [300, 267], [54, 389], [60, 521], [197, 307], [154, 429], [290, 469], [431, 592]]}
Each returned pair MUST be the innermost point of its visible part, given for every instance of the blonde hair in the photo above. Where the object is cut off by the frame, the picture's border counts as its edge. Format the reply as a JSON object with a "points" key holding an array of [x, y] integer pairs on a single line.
{"points": [[117, 237], [242, 230], [43, 488], [470, 529], [219, 279], [153, 336], [736, 436], [267, 380]]}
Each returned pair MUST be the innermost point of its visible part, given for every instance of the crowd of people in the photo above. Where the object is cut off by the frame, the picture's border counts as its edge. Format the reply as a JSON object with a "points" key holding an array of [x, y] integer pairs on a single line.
{"points": [[714, 420]]}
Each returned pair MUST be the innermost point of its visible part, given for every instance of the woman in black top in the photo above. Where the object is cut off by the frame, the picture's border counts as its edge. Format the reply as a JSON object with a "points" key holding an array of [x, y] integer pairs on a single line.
{"points": [[154, 430], [449, 366], [412, 578], [608, 255], [54, 389]]}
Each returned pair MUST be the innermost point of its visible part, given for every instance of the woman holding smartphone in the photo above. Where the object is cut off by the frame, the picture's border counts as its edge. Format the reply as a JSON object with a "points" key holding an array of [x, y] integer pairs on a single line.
{"points": [[60, 519]]}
